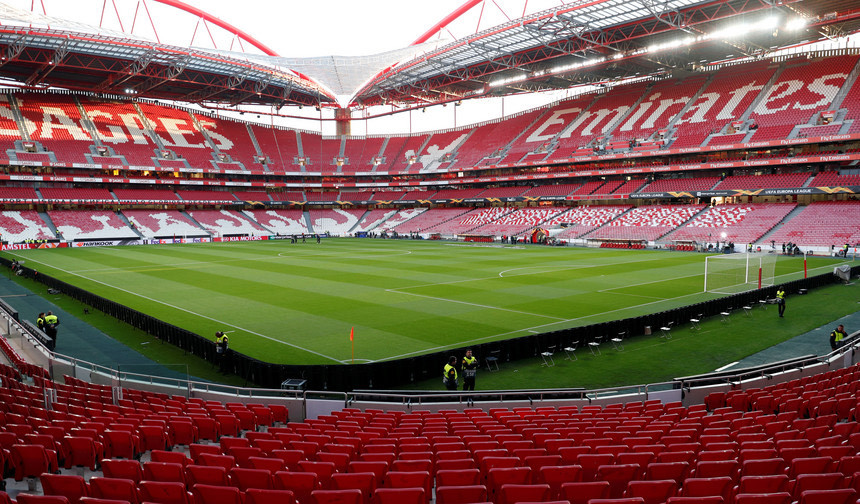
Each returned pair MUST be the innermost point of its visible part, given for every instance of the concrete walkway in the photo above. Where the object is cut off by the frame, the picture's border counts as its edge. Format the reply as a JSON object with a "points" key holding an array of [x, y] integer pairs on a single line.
{"points": [[77, 338]]}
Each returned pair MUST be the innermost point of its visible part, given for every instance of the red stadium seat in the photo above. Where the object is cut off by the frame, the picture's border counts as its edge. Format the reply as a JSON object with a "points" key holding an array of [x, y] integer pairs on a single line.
{"points": [[70, 486]]}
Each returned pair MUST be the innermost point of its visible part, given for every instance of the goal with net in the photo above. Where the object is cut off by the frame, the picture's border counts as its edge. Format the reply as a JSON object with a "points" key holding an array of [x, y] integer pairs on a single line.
{"points": [[733, 273]]}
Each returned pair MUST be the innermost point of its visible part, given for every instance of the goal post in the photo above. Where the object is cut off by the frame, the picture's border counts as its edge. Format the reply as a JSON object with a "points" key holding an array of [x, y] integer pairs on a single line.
{"points": [[734, 273]]}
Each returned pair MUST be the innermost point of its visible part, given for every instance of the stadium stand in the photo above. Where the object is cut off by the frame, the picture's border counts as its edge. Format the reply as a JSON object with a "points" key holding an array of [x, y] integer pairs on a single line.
{"points": [[162, 224], [741, 223], [725, 98], [203, 195], [57, 125], [19, 225], [144, 195], [373, 218], [422, 221], [120, 127], [335, 221], [801, 90], [539, 136], [251, 195], [824, 223], [663, 102], [18, 194], [226, 222], [522, 220], [469, 221], [231, 138], [321, 153], [681, 184], [400, 217], [581, 220], [90, 224], [77, 194], [439, 148], [767, 181], [646, 223], [177, 131], [488, 140], [279, 145], [282, 222], [360, 153], [598, 120]]}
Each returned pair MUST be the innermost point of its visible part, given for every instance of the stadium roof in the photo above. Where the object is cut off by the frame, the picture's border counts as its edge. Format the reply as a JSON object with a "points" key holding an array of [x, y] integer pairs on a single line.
{"points": [[578, 42]]}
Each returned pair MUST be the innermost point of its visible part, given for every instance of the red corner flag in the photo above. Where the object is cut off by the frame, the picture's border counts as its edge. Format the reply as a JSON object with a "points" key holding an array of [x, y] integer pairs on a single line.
{"points": [[351, 334]]}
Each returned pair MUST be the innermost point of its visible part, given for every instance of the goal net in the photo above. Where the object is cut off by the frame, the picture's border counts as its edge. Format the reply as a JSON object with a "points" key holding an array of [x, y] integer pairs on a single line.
{"points": [[733, 273]]}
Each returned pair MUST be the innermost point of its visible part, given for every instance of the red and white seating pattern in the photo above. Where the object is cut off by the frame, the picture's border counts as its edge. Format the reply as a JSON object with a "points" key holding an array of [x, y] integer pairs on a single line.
{"points": [[521, 220], [583, 219], [400, 150], [55, 121], [162, 223], [741, 223], [726, 98], [425, 220], [231, 138], [145, 195], [373, 218], [9, 131], [588, 188], [468, 222], [766, 181], [399, 218], [551, 123], [90, 224], [598, 119], [438, 147], [335, 221], [226, 222], [19, 225], [802, 89], [487, 139], [664, 101], [120, 126], [646, 223], [822, 223], [283, 222], [177, 132]]}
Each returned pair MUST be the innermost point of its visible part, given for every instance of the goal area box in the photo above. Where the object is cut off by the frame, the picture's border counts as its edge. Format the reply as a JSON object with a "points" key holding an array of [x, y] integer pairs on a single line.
{"points": [[734, 273]]}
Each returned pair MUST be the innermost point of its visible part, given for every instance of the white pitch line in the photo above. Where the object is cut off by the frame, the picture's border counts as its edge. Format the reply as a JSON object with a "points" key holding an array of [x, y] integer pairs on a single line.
{"points": [[186, 310], [476, 304], [726, 366]]}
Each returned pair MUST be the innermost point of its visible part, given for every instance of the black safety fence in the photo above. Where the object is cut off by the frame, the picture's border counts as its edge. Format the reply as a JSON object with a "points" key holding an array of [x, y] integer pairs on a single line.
{"points": [[389, 374]]}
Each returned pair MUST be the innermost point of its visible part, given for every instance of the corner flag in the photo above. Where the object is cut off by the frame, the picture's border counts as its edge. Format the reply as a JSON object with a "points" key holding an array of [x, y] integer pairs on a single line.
{"points": [[351, 334]]}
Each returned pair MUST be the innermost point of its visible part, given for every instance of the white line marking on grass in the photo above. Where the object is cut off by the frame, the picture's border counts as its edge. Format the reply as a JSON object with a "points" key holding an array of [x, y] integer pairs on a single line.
{"points": [[525, 329], [726, 366], [186, 311], [489, 307]]}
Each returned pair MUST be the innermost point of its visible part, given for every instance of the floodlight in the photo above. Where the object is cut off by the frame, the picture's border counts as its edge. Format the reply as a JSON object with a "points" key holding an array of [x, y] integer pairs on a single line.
{"points": [[797, 23]]}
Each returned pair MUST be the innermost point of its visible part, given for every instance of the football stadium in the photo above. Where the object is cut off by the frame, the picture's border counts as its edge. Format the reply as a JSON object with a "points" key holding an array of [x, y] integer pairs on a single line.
{"points": [[569, 252]]}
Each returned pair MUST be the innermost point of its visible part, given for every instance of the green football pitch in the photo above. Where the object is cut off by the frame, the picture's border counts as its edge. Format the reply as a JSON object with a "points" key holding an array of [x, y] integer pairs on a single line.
{"points": [[298, 303]]}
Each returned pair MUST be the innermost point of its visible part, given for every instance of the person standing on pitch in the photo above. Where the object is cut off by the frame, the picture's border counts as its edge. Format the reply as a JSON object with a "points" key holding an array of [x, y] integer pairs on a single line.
{"points": [[449, 374], [470, 369], [780, 299]]}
